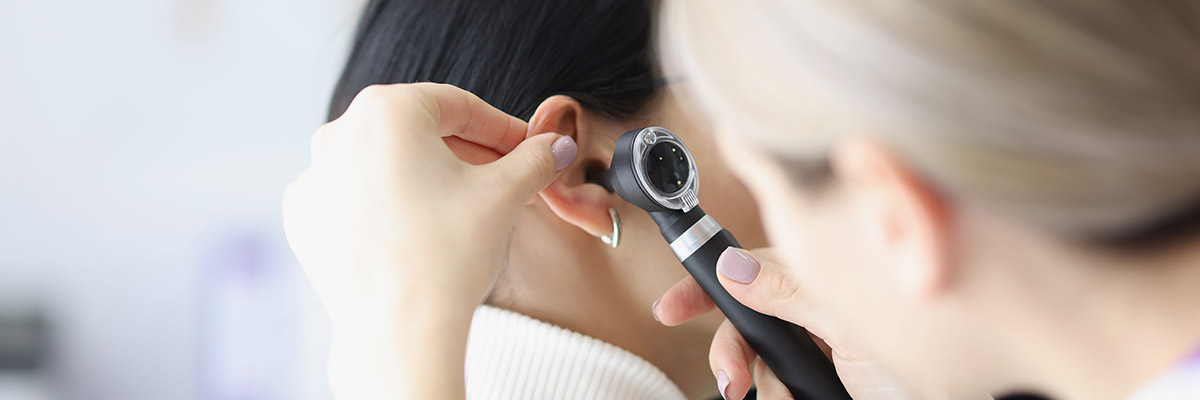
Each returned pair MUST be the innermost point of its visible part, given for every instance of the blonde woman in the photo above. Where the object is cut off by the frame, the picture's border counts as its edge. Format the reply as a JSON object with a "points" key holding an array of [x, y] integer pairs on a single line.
{"points": [[964, 198]]}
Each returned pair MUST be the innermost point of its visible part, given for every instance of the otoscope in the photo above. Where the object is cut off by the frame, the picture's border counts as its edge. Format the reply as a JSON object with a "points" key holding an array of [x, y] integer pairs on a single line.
{"points": [[652, 169]]}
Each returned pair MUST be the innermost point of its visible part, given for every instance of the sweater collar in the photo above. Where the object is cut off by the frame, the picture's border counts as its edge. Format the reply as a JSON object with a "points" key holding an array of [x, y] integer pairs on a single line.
{"points": [[513, 356]]}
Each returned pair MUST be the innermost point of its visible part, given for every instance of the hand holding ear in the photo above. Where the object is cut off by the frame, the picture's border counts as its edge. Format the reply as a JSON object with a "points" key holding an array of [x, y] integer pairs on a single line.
{"points": [[765, 286], [401, 224]]}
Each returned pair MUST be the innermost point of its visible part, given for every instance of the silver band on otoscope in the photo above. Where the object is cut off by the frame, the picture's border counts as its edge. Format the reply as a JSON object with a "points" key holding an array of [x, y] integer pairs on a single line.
{"points": [[695, 237]]}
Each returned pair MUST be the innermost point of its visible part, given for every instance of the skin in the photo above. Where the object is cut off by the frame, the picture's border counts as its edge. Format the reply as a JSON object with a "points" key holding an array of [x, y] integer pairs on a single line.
{"points": [[942, 306], [398, 290], [914, 292], [399, 287], [560, 272]]}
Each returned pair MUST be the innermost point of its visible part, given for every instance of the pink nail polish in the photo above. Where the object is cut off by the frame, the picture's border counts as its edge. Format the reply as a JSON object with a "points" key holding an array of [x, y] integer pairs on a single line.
{"points": [[564, 150], [738, 266], [722, 383]]}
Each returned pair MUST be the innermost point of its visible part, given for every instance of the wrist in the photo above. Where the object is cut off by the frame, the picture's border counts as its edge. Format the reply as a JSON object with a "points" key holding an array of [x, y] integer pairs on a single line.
{"points": [[418, 354]]}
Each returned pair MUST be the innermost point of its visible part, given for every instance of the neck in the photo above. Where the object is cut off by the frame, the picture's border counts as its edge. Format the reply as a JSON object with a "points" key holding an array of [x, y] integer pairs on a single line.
{"points": [[1099, 328], [561, 275]]}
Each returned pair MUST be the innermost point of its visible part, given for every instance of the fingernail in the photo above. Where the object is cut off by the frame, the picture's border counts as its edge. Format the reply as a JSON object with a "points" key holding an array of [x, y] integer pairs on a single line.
{"points": [[564, 150], [654, 309], [736, 265], [722, 383]]}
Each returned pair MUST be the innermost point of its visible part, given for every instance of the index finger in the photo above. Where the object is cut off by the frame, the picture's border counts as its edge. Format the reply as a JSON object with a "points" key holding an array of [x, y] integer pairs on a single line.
{"points": [[463, 114], [682, 303]]}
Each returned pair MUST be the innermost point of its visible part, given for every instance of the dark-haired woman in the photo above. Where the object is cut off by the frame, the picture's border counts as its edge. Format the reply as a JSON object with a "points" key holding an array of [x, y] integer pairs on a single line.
{"points": [[966, 196], [569, 315]]}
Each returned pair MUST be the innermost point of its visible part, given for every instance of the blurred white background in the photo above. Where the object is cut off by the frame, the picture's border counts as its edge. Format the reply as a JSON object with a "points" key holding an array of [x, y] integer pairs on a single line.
{"points": [[145, 147]]}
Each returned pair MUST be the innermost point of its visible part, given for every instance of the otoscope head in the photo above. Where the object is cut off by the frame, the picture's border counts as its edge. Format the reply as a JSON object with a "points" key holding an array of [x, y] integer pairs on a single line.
{"points": [[652, 169]]}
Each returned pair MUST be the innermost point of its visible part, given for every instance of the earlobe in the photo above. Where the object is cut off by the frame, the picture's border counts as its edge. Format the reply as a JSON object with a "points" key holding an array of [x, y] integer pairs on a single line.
{"points": [[584, 205], [911, 219], [575, 201]]}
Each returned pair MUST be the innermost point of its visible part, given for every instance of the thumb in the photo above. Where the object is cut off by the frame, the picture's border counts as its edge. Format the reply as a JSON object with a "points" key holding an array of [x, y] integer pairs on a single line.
{"points": [[533, 164], [762, 285]]}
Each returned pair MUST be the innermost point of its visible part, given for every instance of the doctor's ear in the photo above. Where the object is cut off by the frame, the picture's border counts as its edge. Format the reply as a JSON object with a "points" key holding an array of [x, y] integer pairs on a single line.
{"points": [[908, 220], [571, 197]]}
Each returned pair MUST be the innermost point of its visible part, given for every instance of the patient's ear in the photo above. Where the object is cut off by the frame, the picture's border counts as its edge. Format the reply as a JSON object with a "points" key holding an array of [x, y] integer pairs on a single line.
{"points": [[577, 202]]}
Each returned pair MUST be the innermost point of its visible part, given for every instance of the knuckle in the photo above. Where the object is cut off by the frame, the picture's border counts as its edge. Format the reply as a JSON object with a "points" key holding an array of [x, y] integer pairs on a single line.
{"points": [[779, 292], [422, 96], [371, 93], [541, 162], [524, 166], [375, 99], [725, 347], [429, 85]]}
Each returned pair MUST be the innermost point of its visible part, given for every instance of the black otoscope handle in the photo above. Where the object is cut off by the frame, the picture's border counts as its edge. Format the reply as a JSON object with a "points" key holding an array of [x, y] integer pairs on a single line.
{"points": [[786, 348]]}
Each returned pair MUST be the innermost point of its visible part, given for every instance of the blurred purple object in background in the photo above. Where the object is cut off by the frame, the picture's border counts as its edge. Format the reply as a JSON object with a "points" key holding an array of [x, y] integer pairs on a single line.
{"points": [[248, 329], [145, 149]]}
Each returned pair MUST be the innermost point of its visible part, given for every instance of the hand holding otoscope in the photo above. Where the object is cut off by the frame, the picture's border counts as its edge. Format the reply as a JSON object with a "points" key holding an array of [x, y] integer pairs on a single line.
{"points": [[652, 169]]}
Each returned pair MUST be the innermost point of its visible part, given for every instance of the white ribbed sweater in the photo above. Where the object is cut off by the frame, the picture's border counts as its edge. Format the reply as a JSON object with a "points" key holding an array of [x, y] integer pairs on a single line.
{"points": [[513, 356]]}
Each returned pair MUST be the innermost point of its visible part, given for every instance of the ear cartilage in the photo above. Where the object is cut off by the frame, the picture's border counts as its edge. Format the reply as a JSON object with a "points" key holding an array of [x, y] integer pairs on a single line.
{"points": [[652, 169]]}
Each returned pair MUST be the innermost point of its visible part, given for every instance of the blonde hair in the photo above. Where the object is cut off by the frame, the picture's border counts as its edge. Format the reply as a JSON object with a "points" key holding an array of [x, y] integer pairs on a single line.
{"points": [[1081, 115]]}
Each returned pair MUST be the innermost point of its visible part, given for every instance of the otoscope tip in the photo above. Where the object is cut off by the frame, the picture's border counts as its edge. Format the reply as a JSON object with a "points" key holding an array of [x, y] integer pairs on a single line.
{"points": [[600, 176]]}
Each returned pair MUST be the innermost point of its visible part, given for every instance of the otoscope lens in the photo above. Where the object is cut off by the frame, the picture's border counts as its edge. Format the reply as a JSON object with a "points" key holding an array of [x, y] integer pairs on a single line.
{"points": [[667, 167]]}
